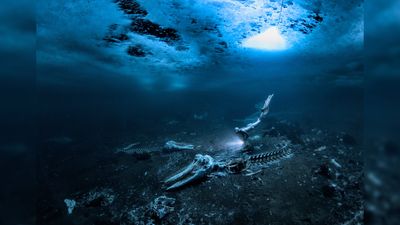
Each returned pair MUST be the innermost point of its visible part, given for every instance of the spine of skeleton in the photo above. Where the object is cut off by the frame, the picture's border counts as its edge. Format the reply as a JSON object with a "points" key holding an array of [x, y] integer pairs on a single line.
{"points": [[269, 156]]}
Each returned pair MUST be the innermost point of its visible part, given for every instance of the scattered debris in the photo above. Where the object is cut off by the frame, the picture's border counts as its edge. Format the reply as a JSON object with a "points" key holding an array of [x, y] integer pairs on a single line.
{"points": [[253, 173], [70, 205], [134, 216], [97, 198], [184, 219], [156, 212], [333, 161], [143, 153], [131, 146], [127, 148], [177, 146], [161, 206], [320, 149], [357, 219]]}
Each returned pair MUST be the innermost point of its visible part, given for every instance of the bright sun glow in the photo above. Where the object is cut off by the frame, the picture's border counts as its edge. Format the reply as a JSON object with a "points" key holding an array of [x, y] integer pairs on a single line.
{"points": [[270, 40]]}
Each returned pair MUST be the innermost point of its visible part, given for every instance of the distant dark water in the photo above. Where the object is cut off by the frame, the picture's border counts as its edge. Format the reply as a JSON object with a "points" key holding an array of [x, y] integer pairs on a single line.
{"points": [[117, 104]]}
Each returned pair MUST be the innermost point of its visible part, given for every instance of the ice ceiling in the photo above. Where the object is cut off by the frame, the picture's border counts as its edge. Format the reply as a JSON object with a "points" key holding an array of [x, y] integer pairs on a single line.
{"points": [[170, 37]]}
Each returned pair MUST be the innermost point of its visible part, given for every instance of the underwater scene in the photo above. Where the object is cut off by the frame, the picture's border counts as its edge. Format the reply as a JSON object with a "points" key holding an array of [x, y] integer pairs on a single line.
{"points": [[200, 112]]}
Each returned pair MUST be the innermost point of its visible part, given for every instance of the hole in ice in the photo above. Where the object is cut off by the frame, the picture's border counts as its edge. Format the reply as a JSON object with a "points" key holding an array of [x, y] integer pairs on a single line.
{"points": [[270, 40]]}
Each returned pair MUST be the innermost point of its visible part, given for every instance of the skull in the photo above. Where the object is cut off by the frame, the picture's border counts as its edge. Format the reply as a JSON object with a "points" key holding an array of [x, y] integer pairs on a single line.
{"points": [[201, 166]]}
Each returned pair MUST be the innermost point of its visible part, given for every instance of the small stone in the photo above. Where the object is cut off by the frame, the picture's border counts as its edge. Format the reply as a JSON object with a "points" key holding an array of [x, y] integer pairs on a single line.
{"points": [[70, 205], [161, 206]]}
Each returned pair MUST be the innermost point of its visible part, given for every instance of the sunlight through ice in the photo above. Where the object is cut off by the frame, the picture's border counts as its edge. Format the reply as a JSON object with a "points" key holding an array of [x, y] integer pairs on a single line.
{"points": [[270, 39]]}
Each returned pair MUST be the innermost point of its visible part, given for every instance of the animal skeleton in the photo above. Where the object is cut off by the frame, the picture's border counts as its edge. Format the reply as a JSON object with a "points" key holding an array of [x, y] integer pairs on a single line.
{"points": [[204, 166]]}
